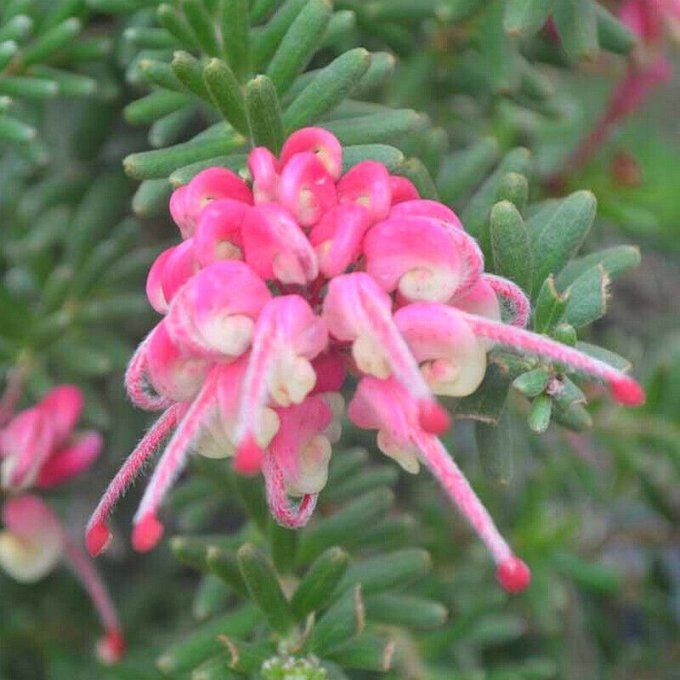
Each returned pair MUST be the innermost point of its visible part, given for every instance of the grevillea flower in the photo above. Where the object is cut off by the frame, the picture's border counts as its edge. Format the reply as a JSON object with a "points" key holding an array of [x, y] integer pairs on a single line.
{"points": [[285, 285], [40, 448], [648, 66]]}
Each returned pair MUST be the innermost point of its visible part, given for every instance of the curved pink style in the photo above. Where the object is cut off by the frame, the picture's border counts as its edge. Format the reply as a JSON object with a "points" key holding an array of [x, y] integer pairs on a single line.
{"points": [[283, 289]]}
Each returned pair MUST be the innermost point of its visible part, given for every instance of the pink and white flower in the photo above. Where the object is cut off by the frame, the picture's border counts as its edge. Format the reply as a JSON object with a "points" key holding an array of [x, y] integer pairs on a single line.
{"points": [[315, 275], [41, 448]]}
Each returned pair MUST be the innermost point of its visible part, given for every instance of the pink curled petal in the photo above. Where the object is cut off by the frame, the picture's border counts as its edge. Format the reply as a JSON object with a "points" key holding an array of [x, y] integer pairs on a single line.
{"points": [[179, 213], [319, 142], [71, 460], [137, 382], [481, 300], [451, 357], [211, 184], [264, 169], [276, 248], [337, 238], [214, 314], [402, 190], [426, 208], [284, 512], [179, 267], [367, 184], [172, 373], [32, 543], [154, 282], [306, 189], [288, 335], [356, 310], [331, 370], [421, 258], [63, 406], [25, 444], [383, 405], [299, 447], [218, 234], [514, 297]]}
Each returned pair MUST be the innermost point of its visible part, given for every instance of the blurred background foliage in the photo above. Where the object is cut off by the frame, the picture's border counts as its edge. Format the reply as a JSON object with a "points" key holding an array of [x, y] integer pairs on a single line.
{"points": [[593, 510]]}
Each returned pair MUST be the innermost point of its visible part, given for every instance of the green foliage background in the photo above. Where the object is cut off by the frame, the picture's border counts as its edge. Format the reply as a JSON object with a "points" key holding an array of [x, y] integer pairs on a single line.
{"points": [[105, 105]]}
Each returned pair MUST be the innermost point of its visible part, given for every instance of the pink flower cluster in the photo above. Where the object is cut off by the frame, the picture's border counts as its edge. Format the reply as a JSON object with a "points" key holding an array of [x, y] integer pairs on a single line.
{"points": [[40, 447], [290, 286]]}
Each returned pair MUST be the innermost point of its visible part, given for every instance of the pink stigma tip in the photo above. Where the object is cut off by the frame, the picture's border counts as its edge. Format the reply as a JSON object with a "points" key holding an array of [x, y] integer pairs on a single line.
{"points": [[513, 575], [146, 533], [433, 417], [628, 392], [248, 459], [111, 647], [97, 538]]}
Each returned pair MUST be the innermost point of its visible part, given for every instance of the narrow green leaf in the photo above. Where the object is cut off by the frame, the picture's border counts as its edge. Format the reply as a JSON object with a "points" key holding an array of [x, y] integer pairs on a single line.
{"points": [[510, 245], [52, 40], [539, 415], [611, 33], [162, 162], [235, 36], [264, 115], [263, 585], [189, 71], [283, 547], [550, 306], [317, 586], [371, 652], [328, 88], [576, 22], [235, 162], [176, 25], [226, 94], [29, 88], [615, 261], [187, 654], [556, 239], [340, 623], [391, 570], [203, 26], [223, 563], [487, 402], [267, 39], [13, 130], [405, 610], [346, 526], [513, 187], [384, 127], [211, 596], [532, 383], [169, 129], [587, 297], [476, 214], [463, 170], [495, 449], [154, 106], [299, 44], [525, 17], [389, 156]]}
